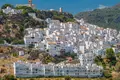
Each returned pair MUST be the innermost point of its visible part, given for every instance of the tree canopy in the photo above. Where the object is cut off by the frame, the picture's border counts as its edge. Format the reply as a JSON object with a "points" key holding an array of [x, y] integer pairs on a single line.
{"points": [[7, 5], [110, 53], [25, 8], [111, 56]]}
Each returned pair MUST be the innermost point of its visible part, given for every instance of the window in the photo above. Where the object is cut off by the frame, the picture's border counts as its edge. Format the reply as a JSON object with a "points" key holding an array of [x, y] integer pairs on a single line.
{"points": [[55, 47], [27, 68], [44, 45], [32, 37], [27, 71]]}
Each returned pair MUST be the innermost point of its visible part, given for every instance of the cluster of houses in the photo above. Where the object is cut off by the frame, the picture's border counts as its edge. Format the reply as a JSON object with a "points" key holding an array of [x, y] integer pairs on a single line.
{"points": [[33, 36], [85, 40], [9, 10], [85, 68], [79, 37]]}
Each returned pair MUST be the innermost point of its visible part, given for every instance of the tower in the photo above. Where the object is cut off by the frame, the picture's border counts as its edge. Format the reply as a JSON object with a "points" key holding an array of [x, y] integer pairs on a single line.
{"points": [[30, 3], [60, 10]]}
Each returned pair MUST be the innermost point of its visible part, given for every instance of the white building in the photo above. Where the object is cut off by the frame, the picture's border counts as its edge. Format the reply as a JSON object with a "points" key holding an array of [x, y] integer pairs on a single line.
{"points": [[88, 69], [60, 36], [87, 58], [60, 10], [55, 48], [21, 53], [80, 37], [9, 10], [33, 36]]}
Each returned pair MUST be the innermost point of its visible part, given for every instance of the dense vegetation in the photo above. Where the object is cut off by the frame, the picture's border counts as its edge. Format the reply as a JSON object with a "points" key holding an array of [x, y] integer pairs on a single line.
{"points": [[46, 58], [107, 17], [15, 24], [8, 77], [55, 15], [6, 5], [110, 63]]}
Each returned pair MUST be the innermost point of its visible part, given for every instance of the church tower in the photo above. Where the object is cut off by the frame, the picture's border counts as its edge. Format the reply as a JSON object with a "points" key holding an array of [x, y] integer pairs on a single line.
{"points": [[30, 3], [60, 10]]}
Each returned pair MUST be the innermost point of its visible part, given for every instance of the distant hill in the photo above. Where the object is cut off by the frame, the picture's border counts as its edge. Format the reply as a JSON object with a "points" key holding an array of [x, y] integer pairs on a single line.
{"points": [[107, 17]]}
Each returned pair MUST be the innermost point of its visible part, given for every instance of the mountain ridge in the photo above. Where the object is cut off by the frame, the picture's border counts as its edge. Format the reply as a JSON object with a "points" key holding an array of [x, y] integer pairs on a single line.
{"points": [[106, 18]]}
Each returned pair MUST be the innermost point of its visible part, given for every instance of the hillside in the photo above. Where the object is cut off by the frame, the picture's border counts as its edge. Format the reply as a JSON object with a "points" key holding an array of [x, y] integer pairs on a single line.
{"points": [[107, 17], [12, 26]]}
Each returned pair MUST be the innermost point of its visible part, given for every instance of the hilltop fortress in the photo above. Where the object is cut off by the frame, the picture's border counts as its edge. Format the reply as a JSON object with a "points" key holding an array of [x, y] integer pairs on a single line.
{"points": [[30, 4]]}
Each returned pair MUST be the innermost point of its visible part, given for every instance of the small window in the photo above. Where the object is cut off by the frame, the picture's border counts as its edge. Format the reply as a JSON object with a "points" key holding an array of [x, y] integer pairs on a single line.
{"points": [[44, 45], [32, 37]]}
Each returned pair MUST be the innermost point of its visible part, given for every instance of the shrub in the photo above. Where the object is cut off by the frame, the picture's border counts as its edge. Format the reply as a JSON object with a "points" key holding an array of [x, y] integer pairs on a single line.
{"points": [[18, 42], [67, 78], [107, 74], [14, 54], [9, 77], [1, 41], [31, 46]]}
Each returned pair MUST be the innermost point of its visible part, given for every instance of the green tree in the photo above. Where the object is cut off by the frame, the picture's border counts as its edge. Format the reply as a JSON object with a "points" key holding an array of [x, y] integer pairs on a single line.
{"points": [[1, 12], [22, 29], [111, 56], [99, 61], [18, 42], [47, 59], [9, 40], [9, 77], [15, 54], [7, 5], [25, 13], [107, 74], [110, 53], [1, 41], [26, 8]]}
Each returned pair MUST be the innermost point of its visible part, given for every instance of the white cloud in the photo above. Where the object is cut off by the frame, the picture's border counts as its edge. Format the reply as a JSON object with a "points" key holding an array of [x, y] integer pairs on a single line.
{"points": [[102, 6]]}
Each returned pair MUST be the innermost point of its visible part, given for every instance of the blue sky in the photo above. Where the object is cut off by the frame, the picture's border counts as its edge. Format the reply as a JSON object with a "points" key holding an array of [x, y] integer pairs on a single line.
{"points": [[72, 6]]}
